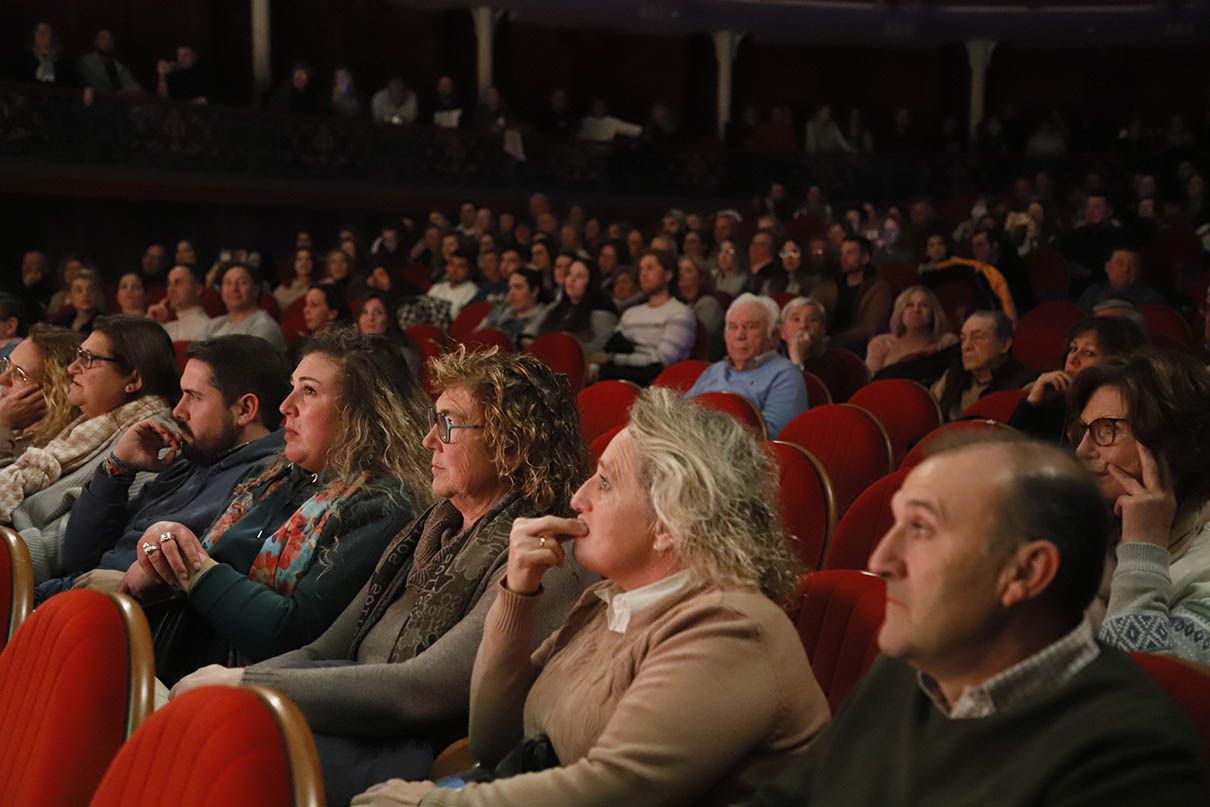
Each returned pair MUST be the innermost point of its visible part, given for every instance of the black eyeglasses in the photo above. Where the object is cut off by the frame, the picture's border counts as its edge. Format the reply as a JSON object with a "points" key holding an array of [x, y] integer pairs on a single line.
{"points": [[445, 426], [6, 364], [87, 358], [1105, 431]]}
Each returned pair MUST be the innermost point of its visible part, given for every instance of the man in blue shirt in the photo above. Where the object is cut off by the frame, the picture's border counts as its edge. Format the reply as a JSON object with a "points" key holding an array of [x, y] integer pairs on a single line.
{"points": [[753, 368]]}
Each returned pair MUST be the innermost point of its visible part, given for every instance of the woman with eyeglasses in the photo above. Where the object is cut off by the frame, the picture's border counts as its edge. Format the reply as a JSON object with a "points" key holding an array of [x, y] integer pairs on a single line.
{"points": [[390, 680], [1143, 430], [298, 539], [731, 275], [34, 406], [125, 371]]}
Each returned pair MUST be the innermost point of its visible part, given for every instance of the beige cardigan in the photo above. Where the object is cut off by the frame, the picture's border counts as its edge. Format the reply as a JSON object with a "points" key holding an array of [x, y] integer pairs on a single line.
{"points": [[698, 702]]}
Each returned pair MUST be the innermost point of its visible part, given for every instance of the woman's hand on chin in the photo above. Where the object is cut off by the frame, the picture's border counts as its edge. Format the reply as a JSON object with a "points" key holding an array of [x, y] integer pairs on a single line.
{"points": [[534, 545]]}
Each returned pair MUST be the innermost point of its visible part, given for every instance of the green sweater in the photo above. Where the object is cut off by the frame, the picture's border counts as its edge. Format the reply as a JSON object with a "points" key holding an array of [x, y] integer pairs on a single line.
{"points": [[1108, 737]]}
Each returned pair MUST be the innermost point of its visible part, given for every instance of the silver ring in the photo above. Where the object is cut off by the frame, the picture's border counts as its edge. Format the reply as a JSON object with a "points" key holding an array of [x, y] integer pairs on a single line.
{"points": [[167, 536], [150, 549], [542, 542]]}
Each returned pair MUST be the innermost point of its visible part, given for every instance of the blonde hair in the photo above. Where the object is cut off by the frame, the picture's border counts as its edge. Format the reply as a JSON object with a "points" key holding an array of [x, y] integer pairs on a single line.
{"points": [[531, 426], [940, 322], [57, 346], [723, 517]]}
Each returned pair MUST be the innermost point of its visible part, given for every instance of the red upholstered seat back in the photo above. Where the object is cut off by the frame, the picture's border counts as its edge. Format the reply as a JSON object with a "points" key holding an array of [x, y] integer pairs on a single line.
{"points": [[863, 525], [996, 405], [468, 319], [604, 405], [598, 445], [847, 373], [562, 353], [838, 621], [293, 326], [180, 348], [212, 303], [1038, 338], [737, 406], [681, 376], [818, 393], [900, 275], [488, 338], [211, 746], [1186, 683], [16, 584], [849, 442], [65, 682], [806, 501], [904, 408], [921, 450], [1167, 324]]}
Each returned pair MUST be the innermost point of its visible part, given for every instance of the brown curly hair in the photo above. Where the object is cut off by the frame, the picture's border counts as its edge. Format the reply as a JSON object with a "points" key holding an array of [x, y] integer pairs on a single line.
{"points": [[530, 422], [57, 347]]}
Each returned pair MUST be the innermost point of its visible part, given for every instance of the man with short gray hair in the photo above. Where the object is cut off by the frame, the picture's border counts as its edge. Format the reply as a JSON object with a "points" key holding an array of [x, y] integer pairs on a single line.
{"points": [[753, 367]]}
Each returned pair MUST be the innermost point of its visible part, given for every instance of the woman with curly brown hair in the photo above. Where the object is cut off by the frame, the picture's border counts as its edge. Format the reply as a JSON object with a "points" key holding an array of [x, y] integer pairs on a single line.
{"points": [[390, 680], [34, 407]]}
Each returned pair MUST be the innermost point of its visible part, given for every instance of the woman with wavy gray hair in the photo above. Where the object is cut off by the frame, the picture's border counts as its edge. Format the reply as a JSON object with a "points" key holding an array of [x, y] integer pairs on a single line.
{"points": [[390, 680], [679, 681]]}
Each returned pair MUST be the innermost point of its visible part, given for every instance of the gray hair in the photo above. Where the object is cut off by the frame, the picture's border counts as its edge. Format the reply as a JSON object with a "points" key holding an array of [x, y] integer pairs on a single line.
{"points": [[1116, 307], [799, 301], [1002, 324], [766, 304], [722, 517]]}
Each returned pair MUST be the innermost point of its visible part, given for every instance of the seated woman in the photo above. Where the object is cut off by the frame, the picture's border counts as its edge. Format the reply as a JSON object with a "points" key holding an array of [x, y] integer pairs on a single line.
{"points": [[84, 299], [583, 311], [34, 406], [695, 287], [625, 291], [985, 364], [390, 680], [132, 295], [731, 274], [918, 327], [676, 681], [297, 280], [1144, 431], [124, 372], [323, 307], [1043, 414], [375, 319], [301, 537], [520, 315]]}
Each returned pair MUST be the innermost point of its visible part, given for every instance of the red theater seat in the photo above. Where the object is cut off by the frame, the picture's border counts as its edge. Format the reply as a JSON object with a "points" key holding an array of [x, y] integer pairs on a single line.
{"points": [[604, 405], [180, 348], [737, 406], [218, 745], [16, 583], [996, 405], [838, 620], [487, 338], [1038, 339], [468, 319], [904, 408], [75, 681], [818, 393], [921, 450], [598, 445], [562, 353], [1166, 327], [806, 501], [1186, 683], [849, 441], [681, 376], [863, 525]]}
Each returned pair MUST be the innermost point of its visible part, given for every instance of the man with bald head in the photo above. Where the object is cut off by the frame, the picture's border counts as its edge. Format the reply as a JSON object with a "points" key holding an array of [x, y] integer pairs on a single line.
{"points": [[992, 688]]}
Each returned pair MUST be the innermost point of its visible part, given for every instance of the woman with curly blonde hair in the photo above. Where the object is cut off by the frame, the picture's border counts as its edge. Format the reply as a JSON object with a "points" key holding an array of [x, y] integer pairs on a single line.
{"points": [[919, 327], [681, 681], [34, 406], [390, 680]]}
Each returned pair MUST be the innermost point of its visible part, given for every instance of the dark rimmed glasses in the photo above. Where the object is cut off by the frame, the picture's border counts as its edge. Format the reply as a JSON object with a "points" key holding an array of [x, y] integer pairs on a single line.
{"points": [[87, 358], [445, 426], [1105, 431]]}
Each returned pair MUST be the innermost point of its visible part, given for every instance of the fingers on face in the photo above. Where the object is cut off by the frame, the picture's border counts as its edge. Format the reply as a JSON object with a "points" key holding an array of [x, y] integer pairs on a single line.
{"points": [[1128, 482]]}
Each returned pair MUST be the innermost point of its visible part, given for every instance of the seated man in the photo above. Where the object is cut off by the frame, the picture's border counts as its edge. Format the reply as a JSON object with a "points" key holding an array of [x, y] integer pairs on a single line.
{"points": [[992, 688], [231, 390], [653, 335], [457, 289], [753, 367], [240, 290], [184, 298], [1122, 270], [986, 364], [864, 301]]}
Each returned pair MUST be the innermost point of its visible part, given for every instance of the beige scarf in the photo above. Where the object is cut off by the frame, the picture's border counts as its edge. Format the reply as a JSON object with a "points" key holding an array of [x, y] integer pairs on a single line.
{"points": [[79, 442]]}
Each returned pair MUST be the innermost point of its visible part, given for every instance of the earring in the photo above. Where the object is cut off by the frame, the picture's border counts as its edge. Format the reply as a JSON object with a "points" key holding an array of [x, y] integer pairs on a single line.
{"points": [[130, 387]]}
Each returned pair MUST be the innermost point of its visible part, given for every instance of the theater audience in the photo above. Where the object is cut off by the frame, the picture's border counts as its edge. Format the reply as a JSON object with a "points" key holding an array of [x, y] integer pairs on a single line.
{"points": [[753, 368], [375, 319], [522, 311], [1122, 283], [302, 270], [583, 310], [767, 275], [1043, 414], [182, 79], [992, 688], [457, 289], [132, 296], [864, 299], [394, 103], [125, 371], [389, 682], [84, 302], [34, 407], [1143, 430], [695, 287], [677, 680], [985, 364], [101, 71], [240, 291], [182, 300], [44, 61], [625, 291], [223, 428], [803, 331], [918, 327], [323, 306], [299, 539]]}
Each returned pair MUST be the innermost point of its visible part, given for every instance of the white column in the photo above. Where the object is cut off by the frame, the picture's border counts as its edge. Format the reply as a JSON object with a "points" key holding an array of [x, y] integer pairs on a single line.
{"points": [[726, 45], [979, 53], [261, 69], [485, 28]]}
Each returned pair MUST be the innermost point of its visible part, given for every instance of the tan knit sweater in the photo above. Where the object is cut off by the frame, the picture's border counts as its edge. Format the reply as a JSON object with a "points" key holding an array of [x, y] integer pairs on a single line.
{"points": [[699, 701]]}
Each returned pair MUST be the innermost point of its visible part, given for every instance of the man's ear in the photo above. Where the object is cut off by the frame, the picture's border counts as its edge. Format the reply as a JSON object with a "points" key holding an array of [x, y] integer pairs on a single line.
{"points": [[1029, 572], [246, 407]]}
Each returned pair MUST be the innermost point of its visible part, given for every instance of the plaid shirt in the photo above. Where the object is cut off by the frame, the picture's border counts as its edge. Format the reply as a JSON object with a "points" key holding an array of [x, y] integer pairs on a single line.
{"points": [[1046, 670]]}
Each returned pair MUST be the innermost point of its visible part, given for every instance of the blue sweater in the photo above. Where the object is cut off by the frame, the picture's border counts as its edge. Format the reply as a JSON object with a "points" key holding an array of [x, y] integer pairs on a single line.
{"points": [[773, 383]]}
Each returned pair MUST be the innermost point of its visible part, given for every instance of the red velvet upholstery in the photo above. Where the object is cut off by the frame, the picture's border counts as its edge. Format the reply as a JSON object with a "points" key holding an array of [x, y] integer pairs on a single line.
{"points": [[904, 408], [846, 373], [417, 274], [1186, 683], [598, 445], [818, 393], [293, 326], [468, 319], [838, 621], [268, 303], [65, 698], [1038, 338], [211, 746], [486, 338], [180, 348], [1173, 254], [430, 340], [850, 443], [737, 406], [213, 303], [681, 376], [996, 405], [1048, 274], [16, 583], [604, 405], [921, 450], [562, 353], [1166, 324], [806, 501], [863, 526], [900, 275]]}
